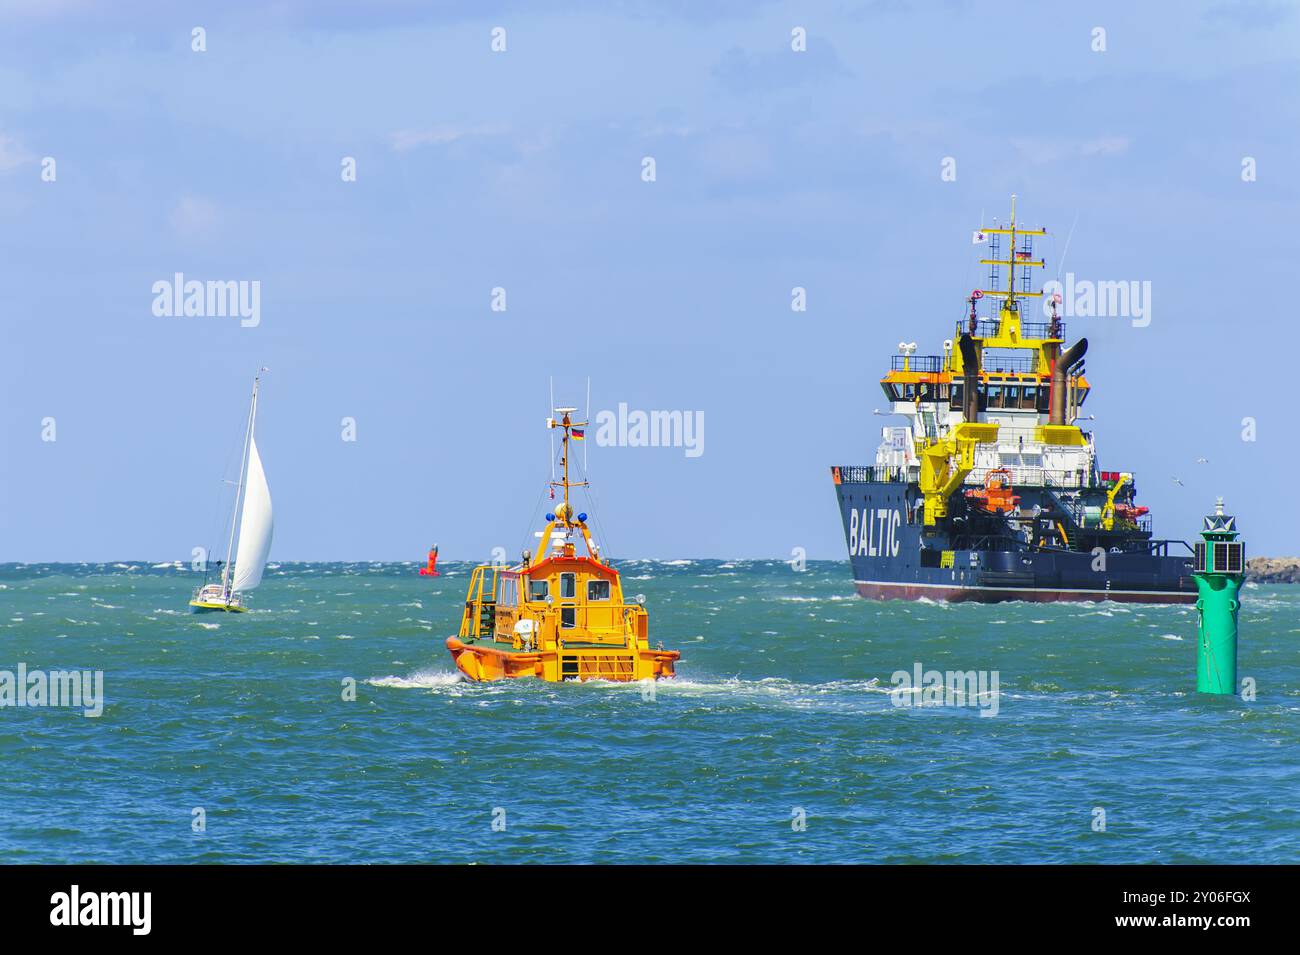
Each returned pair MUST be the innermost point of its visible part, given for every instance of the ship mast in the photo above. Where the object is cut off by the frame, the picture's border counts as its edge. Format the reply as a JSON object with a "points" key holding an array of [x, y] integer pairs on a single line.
{"points": [[1011, 262], [566, 512], [1011, 248]]}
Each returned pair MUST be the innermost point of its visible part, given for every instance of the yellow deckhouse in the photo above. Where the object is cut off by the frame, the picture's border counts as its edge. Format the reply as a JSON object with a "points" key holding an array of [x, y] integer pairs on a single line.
{"points": [[556, 615]]}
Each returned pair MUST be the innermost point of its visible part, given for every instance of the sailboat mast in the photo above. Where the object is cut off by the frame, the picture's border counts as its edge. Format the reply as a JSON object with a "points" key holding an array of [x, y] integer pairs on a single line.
{"points": [[243, 463]]}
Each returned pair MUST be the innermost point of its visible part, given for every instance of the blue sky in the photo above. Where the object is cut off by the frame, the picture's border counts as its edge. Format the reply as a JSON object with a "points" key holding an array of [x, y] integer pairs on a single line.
{"points": [[522, 170]]}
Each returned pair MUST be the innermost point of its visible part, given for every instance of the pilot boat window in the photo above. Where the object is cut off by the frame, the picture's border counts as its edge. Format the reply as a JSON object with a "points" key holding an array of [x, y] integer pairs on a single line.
{"points": [[538, 589], [568, 589], [598, 590], [568, 617]]}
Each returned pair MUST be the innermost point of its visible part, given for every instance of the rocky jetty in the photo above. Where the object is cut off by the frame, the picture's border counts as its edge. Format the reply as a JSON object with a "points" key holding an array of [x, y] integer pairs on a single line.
{"points": [[1273, 570]]}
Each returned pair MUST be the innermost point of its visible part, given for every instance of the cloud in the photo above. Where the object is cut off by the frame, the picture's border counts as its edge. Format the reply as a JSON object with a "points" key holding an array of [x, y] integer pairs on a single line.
{"points": [[1250, 14], [1106, 146], [737, 157], [42, 9], [12, 153], [743, 72], [1038, 150], [407, 139], [194, 216]]}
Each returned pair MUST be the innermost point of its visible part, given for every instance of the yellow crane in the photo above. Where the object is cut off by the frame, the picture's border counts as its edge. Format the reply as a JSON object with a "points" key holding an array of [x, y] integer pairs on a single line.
{"points": [[1108, 512]]}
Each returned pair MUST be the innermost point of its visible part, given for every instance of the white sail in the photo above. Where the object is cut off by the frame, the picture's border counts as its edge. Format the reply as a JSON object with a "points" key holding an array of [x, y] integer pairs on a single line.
{"points": [[254, 525]]}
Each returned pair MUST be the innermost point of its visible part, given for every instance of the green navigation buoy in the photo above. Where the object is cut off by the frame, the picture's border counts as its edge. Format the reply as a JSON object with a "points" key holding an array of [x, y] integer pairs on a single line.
{"points": [[1220, 570]]}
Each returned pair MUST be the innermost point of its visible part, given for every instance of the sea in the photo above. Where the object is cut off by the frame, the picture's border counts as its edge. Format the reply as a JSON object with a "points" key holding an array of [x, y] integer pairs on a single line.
{"points": [[328, 725]]}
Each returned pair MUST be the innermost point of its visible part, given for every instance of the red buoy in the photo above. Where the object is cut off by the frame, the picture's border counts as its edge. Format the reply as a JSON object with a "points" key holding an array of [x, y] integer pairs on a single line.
{"points": [[432, 569]]}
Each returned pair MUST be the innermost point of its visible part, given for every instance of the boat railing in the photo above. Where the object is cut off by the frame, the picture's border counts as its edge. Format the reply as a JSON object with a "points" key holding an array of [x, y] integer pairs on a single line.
{"points": [[1019, 436], [478, 616], [1010, 365], [870, 474], [1044, 329], [616, 624], [988, 328], [1032, 476], [923, 364]]}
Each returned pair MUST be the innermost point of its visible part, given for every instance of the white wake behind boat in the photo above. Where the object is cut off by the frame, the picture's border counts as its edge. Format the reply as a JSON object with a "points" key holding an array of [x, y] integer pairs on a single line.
{"points": [[251, 524]]}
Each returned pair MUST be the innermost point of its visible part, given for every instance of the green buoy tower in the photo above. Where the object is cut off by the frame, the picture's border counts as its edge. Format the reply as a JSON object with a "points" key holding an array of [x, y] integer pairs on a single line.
{"points": [[1219, 572]]}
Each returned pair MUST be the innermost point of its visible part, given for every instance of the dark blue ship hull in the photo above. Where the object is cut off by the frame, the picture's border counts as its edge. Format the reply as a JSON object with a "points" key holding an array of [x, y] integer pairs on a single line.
{"points": [[895, 557]]}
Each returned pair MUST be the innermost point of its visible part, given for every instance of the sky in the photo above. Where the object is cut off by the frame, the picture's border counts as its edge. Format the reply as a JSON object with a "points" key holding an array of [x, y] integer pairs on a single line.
{"points": [[855, 169]]}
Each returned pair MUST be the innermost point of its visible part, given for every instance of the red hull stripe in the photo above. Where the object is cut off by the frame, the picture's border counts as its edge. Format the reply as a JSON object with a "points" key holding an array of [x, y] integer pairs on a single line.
{"points": [[875, 590]]}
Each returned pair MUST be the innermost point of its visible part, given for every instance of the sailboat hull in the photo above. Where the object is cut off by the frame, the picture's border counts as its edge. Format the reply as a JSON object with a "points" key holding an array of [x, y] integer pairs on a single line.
{"points": [[205, 606]]}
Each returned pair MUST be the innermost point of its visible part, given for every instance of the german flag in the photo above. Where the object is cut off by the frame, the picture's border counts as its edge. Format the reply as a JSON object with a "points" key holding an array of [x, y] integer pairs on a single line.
{"points": [[578, 434]]}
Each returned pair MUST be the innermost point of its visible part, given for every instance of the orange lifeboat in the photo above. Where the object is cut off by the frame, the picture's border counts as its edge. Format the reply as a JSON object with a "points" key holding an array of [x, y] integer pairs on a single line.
{"points": [[995, 496], [1130, 512]]}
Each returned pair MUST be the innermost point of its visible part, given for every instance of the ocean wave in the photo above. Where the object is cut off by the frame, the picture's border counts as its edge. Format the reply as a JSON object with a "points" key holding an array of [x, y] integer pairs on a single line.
{"points": [[420, 680]]}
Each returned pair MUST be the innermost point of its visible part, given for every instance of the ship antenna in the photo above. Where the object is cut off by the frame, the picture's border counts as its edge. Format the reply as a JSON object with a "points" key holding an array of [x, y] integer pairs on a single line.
{"points": [[565, 461], [549, 407], [1066, 251], [567, 423], [1011, 269]]}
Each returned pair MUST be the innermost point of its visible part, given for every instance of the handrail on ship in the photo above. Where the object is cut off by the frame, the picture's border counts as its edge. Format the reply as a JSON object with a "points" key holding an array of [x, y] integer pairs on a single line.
{"points": [[938, 364], [1020, 476], [988, 328]]}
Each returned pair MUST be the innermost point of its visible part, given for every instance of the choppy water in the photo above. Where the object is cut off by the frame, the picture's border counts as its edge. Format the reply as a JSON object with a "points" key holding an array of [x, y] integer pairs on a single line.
{"points": [[781, 705]]}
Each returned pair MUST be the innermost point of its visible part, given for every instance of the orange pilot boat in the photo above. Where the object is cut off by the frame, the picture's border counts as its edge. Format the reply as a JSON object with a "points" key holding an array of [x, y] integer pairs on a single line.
{"points": [[557, 615]]}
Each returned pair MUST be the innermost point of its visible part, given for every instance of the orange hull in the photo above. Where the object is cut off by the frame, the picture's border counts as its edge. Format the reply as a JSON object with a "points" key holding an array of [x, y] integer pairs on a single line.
{"points": [[482, 663]]}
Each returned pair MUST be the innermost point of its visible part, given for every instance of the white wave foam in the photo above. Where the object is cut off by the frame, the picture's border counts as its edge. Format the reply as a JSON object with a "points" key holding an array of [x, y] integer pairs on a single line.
{"points": [[420, 680]]}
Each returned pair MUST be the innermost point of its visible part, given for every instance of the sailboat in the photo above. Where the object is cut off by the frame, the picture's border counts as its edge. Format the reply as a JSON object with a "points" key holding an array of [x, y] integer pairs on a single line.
{"points": [[251, 524]]}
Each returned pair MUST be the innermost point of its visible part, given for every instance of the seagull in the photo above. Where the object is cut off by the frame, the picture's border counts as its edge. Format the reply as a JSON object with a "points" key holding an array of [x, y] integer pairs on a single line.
{"points": [[1178, 482], [1202, 460]]}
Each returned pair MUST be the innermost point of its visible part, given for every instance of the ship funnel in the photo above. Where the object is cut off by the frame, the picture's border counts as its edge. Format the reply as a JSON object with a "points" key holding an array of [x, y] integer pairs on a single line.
{"points": [[1060, 371], [970, 388]]}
